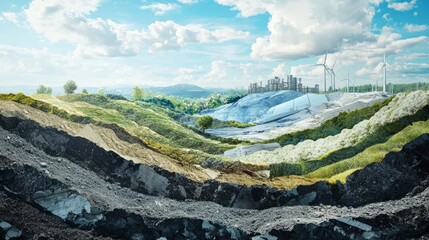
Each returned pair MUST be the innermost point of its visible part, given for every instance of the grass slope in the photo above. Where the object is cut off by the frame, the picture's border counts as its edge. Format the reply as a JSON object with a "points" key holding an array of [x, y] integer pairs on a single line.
{"points": [[381, 135], [151, 117], [82, 112], [375, 153], [345, 120]]}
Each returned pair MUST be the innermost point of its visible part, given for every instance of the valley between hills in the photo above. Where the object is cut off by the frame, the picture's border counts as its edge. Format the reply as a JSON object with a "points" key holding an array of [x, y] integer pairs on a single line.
{"points": [[92, 167]]}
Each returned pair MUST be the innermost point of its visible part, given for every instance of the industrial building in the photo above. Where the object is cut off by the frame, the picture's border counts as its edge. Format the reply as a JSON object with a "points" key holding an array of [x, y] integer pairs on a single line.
{"points": [[277, 84]]}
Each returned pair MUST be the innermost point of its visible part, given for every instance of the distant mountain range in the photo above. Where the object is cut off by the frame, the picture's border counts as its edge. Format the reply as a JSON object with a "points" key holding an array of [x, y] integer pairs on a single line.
{"points": [[183, 90]]}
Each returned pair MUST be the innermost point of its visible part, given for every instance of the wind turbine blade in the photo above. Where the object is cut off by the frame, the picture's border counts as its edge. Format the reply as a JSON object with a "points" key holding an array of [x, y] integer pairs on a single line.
{"points": [[326, 56], [333, 65], [381, 67], [391, 67], [326, 68]]}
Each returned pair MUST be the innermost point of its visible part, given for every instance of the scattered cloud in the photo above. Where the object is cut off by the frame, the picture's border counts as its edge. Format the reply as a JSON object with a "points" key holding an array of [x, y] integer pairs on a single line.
{"points": [[11, 17], [279, 71], [411, 56], [67, 21], [188, 1], [160, 8], [224, 73], [376, 2], [171, 36], [189, 75], [309, 29], [246, 8], [416, 28], [415, 14], [386, 17], [413, 68], [402, 6]]}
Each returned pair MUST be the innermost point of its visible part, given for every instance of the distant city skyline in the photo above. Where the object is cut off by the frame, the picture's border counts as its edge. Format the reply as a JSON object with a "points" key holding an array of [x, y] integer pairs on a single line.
{"points": [[219, 43]]}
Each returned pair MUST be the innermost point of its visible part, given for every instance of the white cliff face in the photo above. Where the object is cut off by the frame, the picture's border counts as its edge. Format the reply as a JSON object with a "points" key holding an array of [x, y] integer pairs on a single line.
{"points": [[402, 105], [251, 108]]}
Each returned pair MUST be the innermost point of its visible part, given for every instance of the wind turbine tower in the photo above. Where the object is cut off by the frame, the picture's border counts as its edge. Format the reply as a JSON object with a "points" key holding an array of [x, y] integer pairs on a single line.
{"points": [[333, 73], [384, 67], [348, 83], [325, 68]]}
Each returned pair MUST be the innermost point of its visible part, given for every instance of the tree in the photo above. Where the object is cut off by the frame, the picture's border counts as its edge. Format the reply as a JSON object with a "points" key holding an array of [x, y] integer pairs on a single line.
{"points": [[205, 122], [84, 91], [138, 93], [44, 90], [70, 87], [101, 92]]}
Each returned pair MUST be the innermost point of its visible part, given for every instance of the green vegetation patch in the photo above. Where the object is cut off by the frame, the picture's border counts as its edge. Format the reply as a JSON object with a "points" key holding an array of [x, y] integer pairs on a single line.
{"points": [[156, 119], [45, 107], [374, 153], [381, 135], [224, 124], [331, 127]]}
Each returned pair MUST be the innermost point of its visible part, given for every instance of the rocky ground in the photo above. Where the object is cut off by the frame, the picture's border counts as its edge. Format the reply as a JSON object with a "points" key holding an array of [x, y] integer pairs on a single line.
{"points": [[57, 186]]}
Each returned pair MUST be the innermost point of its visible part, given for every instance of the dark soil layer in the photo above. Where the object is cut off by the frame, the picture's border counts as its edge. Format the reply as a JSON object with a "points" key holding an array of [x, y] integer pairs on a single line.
{"points": [[46, 173]]}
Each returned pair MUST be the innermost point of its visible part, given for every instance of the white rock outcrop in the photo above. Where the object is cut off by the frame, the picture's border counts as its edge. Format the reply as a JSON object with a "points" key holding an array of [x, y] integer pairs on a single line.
{"points": [[402, 105]]}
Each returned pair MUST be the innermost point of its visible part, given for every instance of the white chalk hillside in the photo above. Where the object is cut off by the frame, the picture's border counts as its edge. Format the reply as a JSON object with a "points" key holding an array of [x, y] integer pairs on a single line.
{"points": [[402, 105]]}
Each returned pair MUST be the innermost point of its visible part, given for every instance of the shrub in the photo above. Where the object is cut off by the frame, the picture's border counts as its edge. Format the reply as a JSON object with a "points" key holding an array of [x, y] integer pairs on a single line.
{"points": [[138, 94], [69, 87], [44, 90], [205, 122]]}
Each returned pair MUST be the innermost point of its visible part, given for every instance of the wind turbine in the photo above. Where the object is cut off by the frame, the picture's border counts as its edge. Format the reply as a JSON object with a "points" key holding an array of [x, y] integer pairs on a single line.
{"points": [[384, 68], [348, 82], [333, 73], [325, 68]]}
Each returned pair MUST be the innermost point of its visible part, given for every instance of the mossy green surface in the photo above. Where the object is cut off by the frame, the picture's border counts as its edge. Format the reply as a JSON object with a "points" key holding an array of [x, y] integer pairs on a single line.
{"points": [[344, 120], [374, 153], [183, 145], [380, 136], [152, 117]]}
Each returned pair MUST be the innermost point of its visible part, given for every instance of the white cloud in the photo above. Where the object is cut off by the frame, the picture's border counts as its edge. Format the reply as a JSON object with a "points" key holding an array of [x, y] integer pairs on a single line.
{"points": [[386, 17], [11, 17], [402, 6], [171, 36], [416, 28], [411, 56], [247, 8], [371, 53], [160, 8], [306, 28], [228, 74], [415, 14], [376, 2], [189, 75], [67, 21], [279, 71], [188, 1], [413, 68], [30, 66]]}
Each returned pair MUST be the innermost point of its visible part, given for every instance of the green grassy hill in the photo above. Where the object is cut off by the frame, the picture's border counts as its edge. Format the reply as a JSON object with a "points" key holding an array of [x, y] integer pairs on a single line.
{"points": [[150, 123]]}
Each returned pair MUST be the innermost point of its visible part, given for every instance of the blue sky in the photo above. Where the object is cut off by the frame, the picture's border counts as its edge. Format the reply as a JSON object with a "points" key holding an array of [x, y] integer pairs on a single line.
{"points": [[211, 43]]}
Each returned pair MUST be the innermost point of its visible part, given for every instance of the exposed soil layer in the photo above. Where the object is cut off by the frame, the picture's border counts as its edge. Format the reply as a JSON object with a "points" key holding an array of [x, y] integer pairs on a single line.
{"points": [[362, 187], [84, 186], [113, 138]]}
